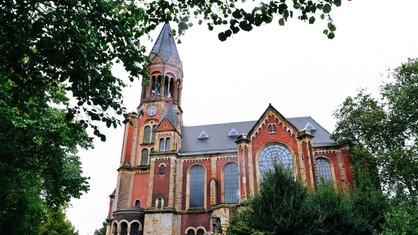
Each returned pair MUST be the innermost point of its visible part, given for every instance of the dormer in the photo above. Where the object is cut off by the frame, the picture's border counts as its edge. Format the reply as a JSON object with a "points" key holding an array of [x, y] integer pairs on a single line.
{"points": [[203, 135], [233, 133], [309, 127]]}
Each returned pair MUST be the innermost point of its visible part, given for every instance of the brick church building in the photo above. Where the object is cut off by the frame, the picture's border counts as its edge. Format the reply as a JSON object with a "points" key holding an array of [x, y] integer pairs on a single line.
{"points": [[175, 179]]}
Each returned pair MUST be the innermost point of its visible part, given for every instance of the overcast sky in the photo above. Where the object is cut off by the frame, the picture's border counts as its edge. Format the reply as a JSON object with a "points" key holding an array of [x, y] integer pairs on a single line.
{"points": [[295, 68]]}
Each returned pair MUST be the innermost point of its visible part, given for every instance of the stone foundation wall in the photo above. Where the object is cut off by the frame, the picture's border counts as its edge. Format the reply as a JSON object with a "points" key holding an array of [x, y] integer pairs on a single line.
{"points": [[161, 224]]}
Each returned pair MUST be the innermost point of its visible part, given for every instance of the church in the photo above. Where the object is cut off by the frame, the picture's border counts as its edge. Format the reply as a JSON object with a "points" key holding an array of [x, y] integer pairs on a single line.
{"points": [[174, 179]]}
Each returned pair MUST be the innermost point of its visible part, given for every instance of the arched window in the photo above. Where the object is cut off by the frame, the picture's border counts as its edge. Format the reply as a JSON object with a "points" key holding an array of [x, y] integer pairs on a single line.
{"points": [[158, 86], [161, 170], [138, 203], [231, 184], [170, 94], [123, 228], [115, 229], [160, 203], [272, 128], [144, 157], [200, 232], [166, 82], [167, 144], [178, 91], [153, 85], [162, 142], [153, 133], [190, 232], [323, 169], [197, 187], [274, 154], [147, 131], [135, 228]]}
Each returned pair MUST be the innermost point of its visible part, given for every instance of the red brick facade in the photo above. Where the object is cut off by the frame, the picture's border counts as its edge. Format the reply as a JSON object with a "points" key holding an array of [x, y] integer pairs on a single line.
{"points": [[154, 186]]}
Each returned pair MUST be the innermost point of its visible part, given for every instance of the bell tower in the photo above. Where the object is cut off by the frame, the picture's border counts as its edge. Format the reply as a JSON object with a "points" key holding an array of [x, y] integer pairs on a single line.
{"points": [[157, 127], [166, 71], [161, 94]]}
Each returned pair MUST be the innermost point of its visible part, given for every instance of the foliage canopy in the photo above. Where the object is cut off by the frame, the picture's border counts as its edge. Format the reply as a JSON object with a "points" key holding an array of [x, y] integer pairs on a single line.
{"points": [[384, 134], [283, 206]]}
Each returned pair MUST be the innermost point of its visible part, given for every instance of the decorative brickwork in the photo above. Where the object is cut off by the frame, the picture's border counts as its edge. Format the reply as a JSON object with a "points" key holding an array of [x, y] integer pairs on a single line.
{"points": [[174, 180]]}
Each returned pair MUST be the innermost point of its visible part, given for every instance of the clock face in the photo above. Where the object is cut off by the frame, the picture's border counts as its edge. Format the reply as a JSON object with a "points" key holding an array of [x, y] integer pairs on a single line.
{"points": [[151, 111]]}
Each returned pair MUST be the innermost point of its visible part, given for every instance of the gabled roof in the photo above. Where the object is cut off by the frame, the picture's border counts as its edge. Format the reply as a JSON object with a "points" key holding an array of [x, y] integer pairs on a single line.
{"points": [[219, 140], [277, 113], [170, 114], [165, 45]]}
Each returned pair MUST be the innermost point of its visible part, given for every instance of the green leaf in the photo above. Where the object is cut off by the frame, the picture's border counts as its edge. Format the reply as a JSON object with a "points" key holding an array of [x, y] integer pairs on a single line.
{"points": [[221, 36], [237, 14], [337, 3], [235, 29], [327, 8], [311, 20], [246, 26], [331, 27], [228, 33]]}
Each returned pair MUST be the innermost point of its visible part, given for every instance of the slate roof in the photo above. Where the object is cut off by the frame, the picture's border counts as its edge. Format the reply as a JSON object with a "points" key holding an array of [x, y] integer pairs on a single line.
{"points": [[170, 114], [219, 141], [165, 45], [133, 209], [321, 135]]}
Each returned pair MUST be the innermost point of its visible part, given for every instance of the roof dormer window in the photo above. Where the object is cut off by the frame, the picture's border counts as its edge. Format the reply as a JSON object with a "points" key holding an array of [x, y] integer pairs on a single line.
{"points": [[203, 135], [233, 133], [309, 126]]}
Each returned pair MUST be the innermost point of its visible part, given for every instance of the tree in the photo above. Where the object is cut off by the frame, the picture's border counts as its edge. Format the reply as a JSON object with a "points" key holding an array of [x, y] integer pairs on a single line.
{"points": [[275, 209], [72, 45], [56, 83], [102, 230], [369, 204], [330, 212], [384, 134], [283, 206], [56, 224], [39, 169], [401, 218]]}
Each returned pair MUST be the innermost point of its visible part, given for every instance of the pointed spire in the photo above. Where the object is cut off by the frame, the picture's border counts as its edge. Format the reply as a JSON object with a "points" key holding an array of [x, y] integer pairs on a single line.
{"points": [[165, 46]]}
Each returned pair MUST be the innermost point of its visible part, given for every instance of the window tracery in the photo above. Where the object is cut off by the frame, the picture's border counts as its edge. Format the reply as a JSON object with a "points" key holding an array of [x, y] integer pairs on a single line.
{"points": [[274, 154]]}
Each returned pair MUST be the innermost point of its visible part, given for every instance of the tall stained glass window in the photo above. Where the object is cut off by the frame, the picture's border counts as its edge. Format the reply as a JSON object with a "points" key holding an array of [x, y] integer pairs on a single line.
{"points": [[147, 132], [231, 184], [197, 187], [144, 157], [323, 169]]}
